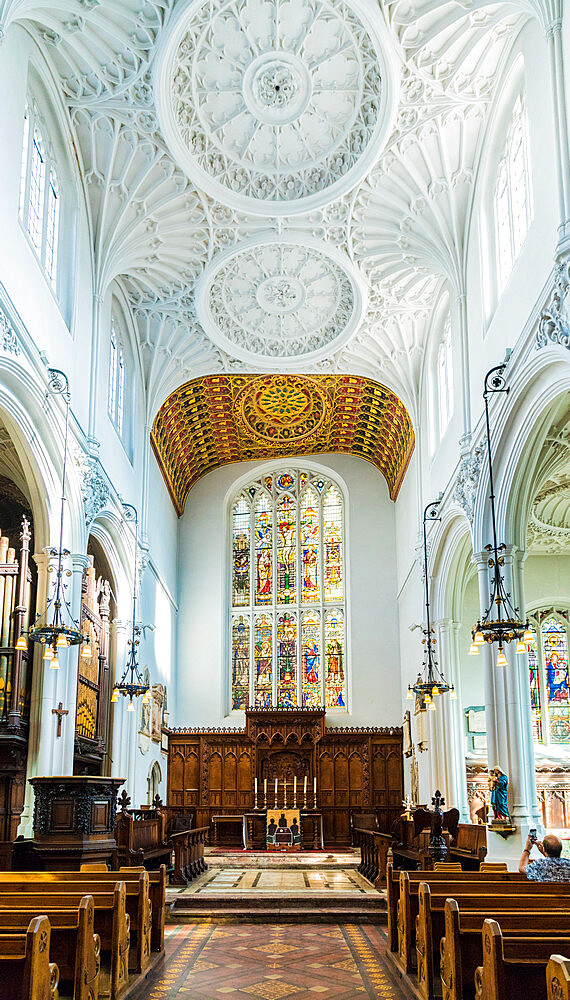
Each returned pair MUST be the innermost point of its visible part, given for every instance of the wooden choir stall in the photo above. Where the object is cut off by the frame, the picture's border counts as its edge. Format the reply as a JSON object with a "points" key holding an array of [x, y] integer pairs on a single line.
{"points": [[212, 774]]}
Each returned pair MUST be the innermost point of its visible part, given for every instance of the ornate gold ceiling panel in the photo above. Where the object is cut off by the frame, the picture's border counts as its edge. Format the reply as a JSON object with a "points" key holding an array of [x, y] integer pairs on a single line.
{"points": [[219, 419]]}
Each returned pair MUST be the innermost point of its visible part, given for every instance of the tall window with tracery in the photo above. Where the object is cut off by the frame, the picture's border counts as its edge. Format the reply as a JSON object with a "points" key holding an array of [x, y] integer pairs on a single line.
{"points": [[116, 390], [287, 627], [40, 203], [445, 379], [548, 676], [513, 194]]}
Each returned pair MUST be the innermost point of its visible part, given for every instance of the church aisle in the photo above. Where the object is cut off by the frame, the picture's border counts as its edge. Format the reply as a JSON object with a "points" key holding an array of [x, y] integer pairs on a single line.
{"points": [[274, 962]]}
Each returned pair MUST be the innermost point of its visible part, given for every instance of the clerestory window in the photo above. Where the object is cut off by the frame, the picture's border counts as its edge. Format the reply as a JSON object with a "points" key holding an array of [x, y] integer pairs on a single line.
{"points": [[513, 194], [40, 202]]}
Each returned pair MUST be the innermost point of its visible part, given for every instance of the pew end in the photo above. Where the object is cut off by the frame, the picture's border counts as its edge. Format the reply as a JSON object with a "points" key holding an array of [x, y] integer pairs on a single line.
{"points": [[558, 978]]}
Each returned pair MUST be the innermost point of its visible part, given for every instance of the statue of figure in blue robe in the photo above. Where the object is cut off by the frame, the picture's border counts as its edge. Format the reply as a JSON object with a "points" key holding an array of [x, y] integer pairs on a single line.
{"points": [[499, 785]]}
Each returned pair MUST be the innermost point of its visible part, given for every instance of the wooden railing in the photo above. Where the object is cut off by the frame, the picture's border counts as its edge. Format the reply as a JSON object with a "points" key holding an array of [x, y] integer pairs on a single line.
{"points": [[374, 847], [188, 850]]}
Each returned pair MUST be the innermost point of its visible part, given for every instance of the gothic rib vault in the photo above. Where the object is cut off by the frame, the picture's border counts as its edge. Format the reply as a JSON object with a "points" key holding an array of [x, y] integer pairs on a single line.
{"points": [[215, 420], [209, 133]]}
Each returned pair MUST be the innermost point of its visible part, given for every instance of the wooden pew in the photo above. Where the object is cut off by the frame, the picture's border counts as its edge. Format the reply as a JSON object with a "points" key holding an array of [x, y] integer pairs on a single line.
{"points": [[188, 848], [461, 948], [74, 946], [157, 890], [141, 838], [474, 897], [26, 972], [393, 890], [558, 978], [514, 967], [138, 903], [470, 845], [111, 923], [374, 846]]}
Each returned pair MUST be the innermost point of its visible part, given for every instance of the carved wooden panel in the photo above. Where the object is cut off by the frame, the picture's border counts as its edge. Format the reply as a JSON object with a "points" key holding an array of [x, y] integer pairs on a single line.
{"points": [[212, 771]]}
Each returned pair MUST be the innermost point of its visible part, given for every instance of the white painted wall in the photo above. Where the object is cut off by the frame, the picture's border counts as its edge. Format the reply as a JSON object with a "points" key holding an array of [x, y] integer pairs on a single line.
{"points": [[202, 676]]}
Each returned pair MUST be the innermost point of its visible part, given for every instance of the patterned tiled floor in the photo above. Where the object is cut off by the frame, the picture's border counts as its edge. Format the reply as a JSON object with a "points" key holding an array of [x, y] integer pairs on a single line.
{"points": [[260, 880], [273, 962]]}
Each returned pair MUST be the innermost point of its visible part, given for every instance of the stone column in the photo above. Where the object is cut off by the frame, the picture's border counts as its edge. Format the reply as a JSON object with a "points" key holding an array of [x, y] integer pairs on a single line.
{"points": [[451, 774], [508, 723], [66, 679], [553, 32], [119, 748]]}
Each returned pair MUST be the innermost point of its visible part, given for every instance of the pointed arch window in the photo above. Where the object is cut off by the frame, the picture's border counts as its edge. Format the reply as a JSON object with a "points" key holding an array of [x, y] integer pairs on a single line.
{"points": [[287, 619], [513, 193], [40, 203], [548, 676], [116, 388], [445, 379]]}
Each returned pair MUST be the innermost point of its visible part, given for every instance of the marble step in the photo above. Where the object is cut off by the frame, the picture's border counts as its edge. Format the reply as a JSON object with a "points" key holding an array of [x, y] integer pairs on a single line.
{"points": [[327, 907]]}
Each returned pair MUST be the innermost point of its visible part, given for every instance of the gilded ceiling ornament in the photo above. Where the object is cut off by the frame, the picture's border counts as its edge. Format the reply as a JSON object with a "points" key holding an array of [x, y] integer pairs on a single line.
{"points": [[274, 102], [218, 419]]}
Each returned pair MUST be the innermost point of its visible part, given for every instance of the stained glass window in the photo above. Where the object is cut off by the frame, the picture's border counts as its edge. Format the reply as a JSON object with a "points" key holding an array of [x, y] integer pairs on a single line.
{"points": [[39, 203], [287, 583], [240, 661], [311, 658], [334, 645], [548, 676], [534, 679], [555, 650], [263, 661], [513, 194], [241, 536]]}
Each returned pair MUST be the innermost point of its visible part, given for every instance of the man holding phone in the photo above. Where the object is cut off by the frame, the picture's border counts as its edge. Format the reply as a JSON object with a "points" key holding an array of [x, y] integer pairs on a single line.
{"points": [[551, 867]]}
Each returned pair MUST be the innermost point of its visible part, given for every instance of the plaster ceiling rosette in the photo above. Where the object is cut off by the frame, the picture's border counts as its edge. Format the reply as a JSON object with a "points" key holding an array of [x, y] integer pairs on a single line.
{"points": [[278, 301], [212, 421], [281, 104]]}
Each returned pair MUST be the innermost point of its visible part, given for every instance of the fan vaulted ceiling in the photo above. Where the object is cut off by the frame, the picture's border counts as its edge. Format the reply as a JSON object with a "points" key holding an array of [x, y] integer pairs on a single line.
{"points": [[277, 184]]}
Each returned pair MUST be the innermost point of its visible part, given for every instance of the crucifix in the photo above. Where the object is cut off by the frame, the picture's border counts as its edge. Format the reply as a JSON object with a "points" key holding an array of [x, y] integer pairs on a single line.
{"points": [[60, 711]]}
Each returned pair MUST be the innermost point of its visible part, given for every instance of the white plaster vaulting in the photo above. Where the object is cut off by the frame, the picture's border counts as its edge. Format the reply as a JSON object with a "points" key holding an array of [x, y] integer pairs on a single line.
{"points": [[385, 180]]}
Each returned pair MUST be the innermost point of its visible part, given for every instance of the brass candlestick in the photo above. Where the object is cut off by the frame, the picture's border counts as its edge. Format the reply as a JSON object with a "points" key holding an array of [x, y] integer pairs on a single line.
{"points": [[284, 793], [295, 793], [305, 796]]}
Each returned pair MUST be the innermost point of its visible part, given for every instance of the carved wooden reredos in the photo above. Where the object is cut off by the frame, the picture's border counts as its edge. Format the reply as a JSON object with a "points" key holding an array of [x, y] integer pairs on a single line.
{"points": [[212, 771]]}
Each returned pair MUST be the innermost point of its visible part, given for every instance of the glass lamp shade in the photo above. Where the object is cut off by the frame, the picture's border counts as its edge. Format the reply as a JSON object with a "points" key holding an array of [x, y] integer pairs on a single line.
{"points": [[501, 658], [453, 693], [130, 707], [528, 636], [114, 696], [434, 691], [427, 699], [62, 642], [21, 643], [521, 648], [479, 639], [48, 653], [86, 653], [474, 649], [54, 663], [431, 706], [409, 695]]}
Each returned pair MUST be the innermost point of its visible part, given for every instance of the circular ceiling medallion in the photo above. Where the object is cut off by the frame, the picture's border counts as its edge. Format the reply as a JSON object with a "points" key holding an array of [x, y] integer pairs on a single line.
{"points": [[277, 300], [266, 102], [282, 409]]}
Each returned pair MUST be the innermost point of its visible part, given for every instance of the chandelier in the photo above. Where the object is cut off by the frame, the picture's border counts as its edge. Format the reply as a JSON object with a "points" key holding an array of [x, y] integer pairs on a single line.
{"points": [[505, 626], [56, 628], [430, 682], [132, 684]]}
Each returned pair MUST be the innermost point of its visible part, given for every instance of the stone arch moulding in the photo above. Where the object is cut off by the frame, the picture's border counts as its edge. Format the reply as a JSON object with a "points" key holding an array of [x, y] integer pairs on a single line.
{"points": [[219, 419], [514, 426], [450, 566]]}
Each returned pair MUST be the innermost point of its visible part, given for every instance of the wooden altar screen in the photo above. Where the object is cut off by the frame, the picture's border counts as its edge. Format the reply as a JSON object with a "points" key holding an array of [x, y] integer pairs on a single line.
{"points": [[211, 771]]}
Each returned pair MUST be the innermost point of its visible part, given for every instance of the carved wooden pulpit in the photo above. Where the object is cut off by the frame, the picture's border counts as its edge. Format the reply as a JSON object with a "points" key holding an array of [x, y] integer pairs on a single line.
{"points": [[74, 821]]}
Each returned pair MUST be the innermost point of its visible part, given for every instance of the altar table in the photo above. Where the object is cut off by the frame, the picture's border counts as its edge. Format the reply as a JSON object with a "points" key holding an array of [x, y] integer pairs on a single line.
{"points": [[227, 822], [255, 826]]}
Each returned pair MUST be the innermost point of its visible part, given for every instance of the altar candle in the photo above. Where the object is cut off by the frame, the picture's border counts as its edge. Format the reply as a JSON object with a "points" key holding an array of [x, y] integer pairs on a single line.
{"points": [[295, 785], [276, 789], [255, 785], [265, 787], [314, 786], [305, 785]]}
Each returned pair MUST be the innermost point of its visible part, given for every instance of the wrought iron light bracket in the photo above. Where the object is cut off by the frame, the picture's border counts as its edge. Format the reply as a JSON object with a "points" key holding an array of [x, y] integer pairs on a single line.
{"points": [[430, 682], [505, 626], [132, 683]]}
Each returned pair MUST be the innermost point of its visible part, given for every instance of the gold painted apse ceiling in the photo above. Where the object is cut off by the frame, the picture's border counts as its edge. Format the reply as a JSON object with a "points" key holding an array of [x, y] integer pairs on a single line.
{"points": [[218, 419]]}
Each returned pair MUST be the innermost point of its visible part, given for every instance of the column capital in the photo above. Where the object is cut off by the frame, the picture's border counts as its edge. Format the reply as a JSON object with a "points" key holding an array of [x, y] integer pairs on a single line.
{"points": [[79, 560], [447, 625]]}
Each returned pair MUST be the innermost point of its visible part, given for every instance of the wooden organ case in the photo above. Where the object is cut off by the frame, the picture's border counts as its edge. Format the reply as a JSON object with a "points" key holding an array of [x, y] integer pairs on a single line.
{"points": [[211, 771], [92, 712]]}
